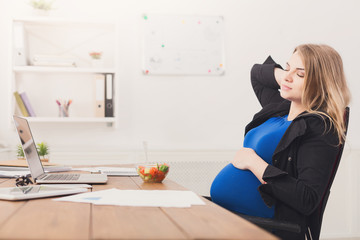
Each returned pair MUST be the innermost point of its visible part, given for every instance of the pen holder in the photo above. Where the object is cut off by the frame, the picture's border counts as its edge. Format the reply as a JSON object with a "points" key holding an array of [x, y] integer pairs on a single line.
{"points": [[63, 111], [63, 108]]}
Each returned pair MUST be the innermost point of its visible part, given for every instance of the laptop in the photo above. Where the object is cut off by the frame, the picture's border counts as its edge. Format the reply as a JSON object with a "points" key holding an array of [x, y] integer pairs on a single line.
{"points": [[36, 168]]}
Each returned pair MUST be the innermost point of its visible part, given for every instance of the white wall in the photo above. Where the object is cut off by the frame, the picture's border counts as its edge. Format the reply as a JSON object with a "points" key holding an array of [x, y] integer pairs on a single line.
{"points": [[165, 109], [193, 113]]}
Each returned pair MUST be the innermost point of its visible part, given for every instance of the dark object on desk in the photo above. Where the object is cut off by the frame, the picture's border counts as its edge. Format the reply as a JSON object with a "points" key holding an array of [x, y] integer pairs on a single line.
{"points": [[23, 181], [316, 218]]}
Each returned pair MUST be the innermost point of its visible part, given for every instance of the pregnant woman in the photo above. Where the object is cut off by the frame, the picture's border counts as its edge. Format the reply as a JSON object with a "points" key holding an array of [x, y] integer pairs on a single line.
{"points": [[291, 145]]}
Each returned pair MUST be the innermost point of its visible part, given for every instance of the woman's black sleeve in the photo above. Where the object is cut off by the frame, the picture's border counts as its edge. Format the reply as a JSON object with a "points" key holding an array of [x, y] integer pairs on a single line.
{"points": [[315, 160], [264, 83]]}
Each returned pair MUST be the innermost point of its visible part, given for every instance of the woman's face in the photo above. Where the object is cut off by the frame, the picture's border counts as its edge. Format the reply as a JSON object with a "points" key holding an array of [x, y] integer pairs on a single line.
{"points": [[292, 82]]}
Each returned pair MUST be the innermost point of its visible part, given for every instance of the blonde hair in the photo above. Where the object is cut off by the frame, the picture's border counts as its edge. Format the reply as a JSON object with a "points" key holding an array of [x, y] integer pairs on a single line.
{"points": [[325, 89]]}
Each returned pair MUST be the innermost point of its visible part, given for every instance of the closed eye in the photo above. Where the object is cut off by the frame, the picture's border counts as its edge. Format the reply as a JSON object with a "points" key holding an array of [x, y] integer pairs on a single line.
{"points": [[299, 74]]}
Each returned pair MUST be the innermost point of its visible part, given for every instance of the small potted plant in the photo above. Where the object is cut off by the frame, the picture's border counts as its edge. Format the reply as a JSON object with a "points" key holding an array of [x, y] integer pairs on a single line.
{"points": [[20, 152], [42, 149], [96, 60], [41, 7]]}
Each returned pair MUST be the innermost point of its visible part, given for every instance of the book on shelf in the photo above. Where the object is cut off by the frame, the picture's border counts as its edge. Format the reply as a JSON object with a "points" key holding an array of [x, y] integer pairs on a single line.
{"points": [[99, 95], [21, 104], [109, 102], [27, 104]]}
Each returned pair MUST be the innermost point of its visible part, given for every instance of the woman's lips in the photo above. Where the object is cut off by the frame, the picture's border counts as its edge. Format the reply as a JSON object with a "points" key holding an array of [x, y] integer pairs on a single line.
{"points": [[285, 88]]}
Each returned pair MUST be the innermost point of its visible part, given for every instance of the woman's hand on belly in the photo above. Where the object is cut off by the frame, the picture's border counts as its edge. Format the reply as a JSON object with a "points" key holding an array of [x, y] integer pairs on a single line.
{"points": [[243, 158], [247, 159]]}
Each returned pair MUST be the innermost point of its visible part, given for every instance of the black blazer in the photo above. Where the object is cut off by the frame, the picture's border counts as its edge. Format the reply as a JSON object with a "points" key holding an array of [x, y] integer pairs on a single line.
{"points": [[302, 162]]}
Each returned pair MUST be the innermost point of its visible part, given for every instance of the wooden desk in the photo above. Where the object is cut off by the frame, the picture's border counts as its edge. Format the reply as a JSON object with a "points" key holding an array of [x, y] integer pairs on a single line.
{"points": [[47, 219]]}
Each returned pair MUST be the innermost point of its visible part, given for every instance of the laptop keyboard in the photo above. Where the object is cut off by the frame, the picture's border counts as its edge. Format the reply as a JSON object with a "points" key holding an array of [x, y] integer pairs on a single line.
{"points": [[62, 177]]}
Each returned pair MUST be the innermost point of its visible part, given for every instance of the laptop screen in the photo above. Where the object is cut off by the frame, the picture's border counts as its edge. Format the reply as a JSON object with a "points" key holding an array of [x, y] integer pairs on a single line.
{"points": [[29, 147]]}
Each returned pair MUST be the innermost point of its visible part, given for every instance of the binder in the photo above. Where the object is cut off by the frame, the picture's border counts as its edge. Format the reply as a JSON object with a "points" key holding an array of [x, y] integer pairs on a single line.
{"points": [[20, 104], [100, 95], [19, 50], [109, 102], [27, 104]]}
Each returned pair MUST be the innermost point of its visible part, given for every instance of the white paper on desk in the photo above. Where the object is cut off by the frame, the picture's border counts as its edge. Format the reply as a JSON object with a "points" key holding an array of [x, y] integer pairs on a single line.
{"points": [[139, 198], [118, 171], [22, 170], [111, 171], [13, 174]]}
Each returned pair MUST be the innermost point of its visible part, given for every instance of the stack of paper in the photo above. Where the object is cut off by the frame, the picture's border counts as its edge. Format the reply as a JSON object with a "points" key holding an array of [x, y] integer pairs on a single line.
{"points": [[26, 169], [20, 171], [111, 171], [13, 174], [53, 60], [139, 198], [116, 171]]}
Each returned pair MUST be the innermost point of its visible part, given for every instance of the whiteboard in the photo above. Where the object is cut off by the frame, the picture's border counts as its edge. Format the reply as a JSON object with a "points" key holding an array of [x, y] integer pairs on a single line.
{"points": [[183, 45]]}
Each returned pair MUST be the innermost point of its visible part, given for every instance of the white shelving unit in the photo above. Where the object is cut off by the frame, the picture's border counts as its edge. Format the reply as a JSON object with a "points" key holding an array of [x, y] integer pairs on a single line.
{"points": [[36, 69], [74, 38], [71, 120]]}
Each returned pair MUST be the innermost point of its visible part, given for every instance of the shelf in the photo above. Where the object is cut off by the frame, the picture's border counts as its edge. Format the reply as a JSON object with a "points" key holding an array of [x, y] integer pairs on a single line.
{"points": [[70, 120], [61, 21], [36, 69]]}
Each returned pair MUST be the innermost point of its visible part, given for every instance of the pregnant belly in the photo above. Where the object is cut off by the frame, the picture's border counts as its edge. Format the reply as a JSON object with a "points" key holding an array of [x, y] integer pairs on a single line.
{"points": [[236, 190]]}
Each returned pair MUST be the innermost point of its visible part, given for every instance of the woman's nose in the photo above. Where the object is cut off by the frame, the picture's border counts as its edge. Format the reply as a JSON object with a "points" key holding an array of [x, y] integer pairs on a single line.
{"points": [[288, 77]]}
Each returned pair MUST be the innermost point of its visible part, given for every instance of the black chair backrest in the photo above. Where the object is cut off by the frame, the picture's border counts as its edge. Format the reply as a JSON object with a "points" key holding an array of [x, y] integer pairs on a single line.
{"points": [[331, 180]]}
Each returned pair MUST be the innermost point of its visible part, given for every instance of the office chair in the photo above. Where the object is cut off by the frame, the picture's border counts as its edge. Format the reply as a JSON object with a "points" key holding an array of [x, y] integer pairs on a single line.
{"points": [[272, 224]]}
